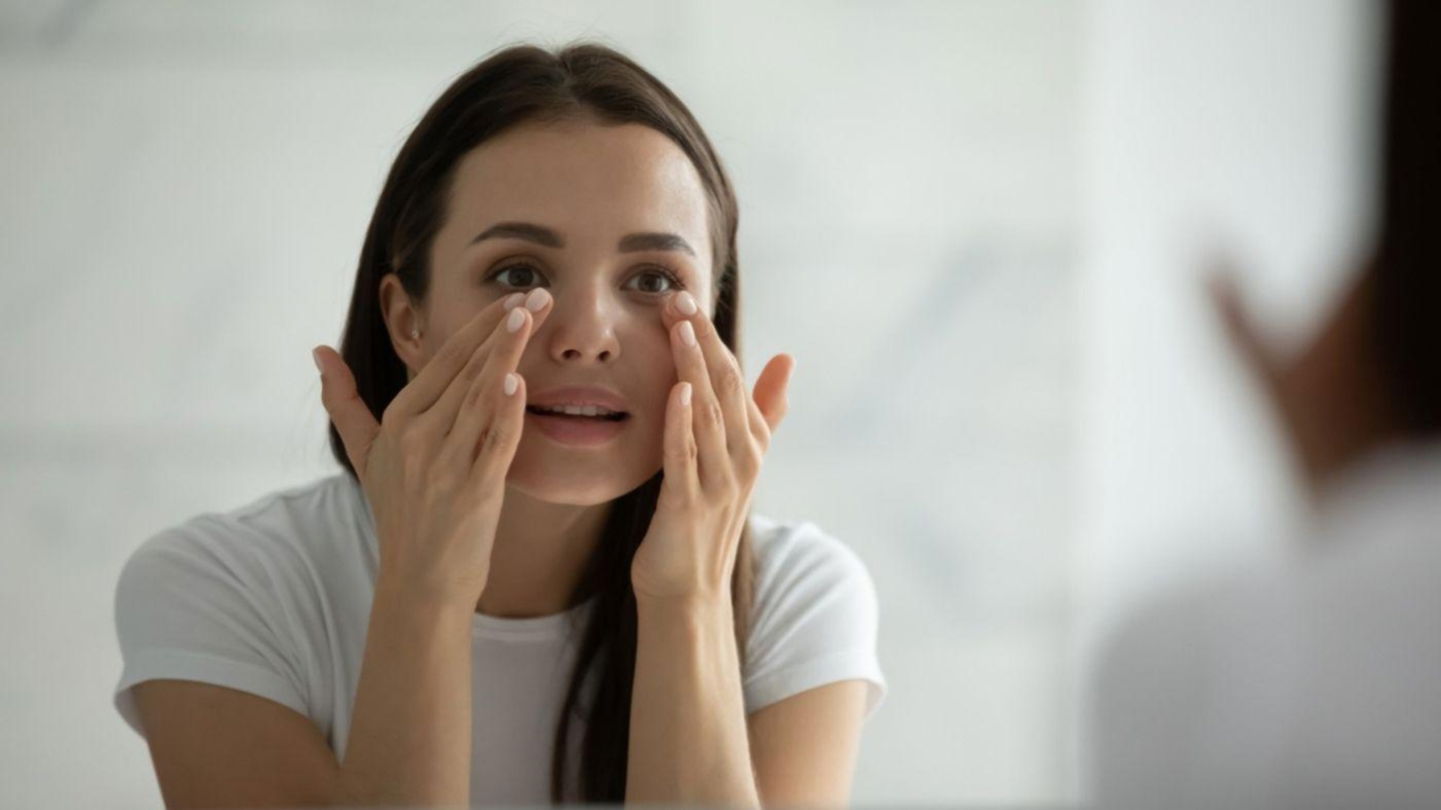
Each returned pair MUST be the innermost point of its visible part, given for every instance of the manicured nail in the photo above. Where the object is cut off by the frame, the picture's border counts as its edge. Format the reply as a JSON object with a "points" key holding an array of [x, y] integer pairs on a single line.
{"points": [[536, 300], [514, 320], [511, 383], [685, 303], [513, 300], [685, 393], [687, 333]]}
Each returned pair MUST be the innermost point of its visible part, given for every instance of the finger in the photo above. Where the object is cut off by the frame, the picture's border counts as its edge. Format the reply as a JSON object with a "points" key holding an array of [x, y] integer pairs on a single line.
{"points": [[477, 409], [510, 334], [348, 412], [497, 445], [726, 379], [422, 392], [679, 458], [772, 389], [708, 418], [1240, 330]]}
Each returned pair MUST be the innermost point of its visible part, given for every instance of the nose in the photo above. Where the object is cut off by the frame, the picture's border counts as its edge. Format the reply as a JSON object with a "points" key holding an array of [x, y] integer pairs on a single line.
{"points": [[582, 327]]}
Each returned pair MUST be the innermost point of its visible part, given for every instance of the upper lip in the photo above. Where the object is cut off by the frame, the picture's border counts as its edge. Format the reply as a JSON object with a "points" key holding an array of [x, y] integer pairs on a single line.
{"points": [[577, 395]]}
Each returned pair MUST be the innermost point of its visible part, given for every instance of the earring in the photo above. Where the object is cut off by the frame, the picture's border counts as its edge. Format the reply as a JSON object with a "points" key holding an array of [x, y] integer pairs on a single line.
{"points": [[414, 333]]}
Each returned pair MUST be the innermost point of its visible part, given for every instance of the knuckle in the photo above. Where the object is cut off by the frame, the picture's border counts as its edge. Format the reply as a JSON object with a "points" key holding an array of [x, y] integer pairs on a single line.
{"points": [[391, 415], [714, 414], [730, 383], [749, 462], [498, 435], [763, 435]]}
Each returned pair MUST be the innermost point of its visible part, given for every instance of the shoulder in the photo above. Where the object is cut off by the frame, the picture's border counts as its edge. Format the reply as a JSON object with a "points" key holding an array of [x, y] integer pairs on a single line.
{"points": [[1180, 670], [296, 526], [814, 614], [237, 598], [277, 560], [795, 556]]}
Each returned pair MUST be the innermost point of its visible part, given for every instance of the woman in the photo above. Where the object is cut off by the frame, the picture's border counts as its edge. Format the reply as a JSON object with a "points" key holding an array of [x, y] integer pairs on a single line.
{"points": [[1311, 680], [537, 579]]}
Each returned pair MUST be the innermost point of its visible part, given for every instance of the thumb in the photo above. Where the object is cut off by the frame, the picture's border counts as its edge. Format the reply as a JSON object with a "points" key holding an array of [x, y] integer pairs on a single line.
{"points": [[770, 389], [352, 419]]}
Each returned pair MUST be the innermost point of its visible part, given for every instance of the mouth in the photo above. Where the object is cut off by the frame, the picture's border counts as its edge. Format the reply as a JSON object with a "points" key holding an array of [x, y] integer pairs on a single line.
{"points": [[589, 414], [577, 430]]}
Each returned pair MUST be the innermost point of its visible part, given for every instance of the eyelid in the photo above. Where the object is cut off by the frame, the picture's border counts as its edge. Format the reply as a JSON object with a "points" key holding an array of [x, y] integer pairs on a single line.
{"points": [[677, 282], [670, 275]]}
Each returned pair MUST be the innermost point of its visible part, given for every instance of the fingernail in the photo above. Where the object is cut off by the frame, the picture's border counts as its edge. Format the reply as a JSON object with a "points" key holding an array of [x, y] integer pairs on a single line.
{"points": [[511, 383], [685, 303], [513, 300], [536, 300], [514, 320], [687, 333], [685, 393], [315, 355]]}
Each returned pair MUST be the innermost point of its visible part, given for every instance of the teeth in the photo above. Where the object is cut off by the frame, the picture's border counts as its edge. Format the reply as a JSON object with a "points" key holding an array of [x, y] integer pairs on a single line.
{"points": [[576, 410]]}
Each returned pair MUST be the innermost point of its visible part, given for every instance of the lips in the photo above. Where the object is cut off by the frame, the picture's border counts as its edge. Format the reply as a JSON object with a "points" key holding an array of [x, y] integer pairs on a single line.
{"points": [[577, 431], [578, 397], [614, 416]]}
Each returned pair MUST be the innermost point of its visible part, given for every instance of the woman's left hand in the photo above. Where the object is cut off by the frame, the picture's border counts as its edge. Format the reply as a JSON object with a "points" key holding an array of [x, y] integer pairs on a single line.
{"points": [[714, 445]]}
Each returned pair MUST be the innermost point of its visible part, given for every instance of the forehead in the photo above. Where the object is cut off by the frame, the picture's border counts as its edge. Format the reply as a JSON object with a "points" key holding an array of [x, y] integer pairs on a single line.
{"points": [[591, 182]]}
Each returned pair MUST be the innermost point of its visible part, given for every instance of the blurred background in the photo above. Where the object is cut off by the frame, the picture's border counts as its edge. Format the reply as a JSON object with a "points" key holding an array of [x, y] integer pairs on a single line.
{"points": [[979, 226]]}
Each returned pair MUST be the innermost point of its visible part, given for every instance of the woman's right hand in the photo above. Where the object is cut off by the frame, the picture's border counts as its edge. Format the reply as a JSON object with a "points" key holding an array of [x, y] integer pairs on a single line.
{"points": [[434, 467]]}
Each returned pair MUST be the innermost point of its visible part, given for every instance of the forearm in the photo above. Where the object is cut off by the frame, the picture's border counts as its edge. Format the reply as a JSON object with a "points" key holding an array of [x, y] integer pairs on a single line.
{"points": [[410, 734], [688, 740]]}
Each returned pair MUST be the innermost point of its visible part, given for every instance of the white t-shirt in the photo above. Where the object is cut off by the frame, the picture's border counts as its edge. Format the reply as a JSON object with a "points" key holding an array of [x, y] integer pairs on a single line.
{"points": [[274, 598], [1312, 682]]}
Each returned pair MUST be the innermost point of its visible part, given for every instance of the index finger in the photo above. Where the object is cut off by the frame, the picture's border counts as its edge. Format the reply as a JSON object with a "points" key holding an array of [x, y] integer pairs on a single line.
{"points": [[423, 391]]}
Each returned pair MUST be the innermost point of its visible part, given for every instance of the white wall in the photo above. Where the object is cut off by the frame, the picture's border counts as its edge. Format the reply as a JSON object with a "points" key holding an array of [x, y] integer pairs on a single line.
{"points": [[185, 191]]}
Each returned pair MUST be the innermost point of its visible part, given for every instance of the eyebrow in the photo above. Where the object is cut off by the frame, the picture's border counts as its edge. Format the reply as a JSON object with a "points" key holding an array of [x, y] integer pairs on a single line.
{"points": [[653, 241], [530, 232], [547, 237]]}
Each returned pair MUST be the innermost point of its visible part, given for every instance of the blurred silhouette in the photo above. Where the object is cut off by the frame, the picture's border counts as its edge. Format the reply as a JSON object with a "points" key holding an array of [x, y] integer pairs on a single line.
{"points": [[1316, 681]]}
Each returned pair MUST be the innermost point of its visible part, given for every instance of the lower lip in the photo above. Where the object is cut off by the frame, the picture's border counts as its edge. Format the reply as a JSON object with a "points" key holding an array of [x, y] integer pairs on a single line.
{"points": [[578, 431]]}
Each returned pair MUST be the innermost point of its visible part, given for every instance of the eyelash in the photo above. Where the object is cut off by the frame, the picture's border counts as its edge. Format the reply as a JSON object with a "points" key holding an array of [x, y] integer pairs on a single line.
{"points": [[675, 282]]}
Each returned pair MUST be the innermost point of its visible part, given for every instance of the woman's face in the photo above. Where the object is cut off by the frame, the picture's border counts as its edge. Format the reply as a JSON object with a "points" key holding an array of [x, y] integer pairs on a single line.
{"points": [[611, 221]]}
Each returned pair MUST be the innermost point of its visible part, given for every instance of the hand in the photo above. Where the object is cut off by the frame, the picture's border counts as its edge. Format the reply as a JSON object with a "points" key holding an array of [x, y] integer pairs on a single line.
{"points": [[714, 445], [434, 467], [1329, 396]]}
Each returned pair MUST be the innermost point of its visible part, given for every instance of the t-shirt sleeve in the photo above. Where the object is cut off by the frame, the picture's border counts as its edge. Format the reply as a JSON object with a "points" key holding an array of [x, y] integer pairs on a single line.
{"points": [[197, 605], [814, 621]]}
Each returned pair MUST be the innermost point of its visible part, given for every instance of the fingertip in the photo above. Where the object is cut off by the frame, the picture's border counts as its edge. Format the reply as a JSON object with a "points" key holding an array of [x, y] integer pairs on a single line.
{"points": [[537, 299]]}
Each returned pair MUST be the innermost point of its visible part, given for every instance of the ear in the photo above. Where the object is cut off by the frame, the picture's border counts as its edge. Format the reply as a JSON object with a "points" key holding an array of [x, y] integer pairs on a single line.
{"points": [[402, 322]]}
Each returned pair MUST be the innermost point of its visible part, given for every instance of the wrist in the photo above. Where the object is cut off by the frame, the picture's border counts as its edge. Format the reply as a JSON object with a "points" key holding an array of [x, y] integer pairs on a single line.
{"points": [[694, 608], [422, 596]]}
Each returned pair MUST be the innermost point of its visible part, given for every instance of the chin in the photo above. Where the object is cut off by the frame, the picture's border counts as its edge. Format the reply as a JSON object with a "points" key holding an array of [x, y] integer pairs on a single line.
{"points": [[573, 486]]}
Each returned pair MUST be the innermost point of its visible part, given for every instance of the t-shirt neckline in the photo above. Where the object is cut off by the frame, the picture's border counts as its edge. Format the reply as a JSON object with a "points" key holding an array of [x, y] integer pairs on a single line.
{"points": [[553, 627]]}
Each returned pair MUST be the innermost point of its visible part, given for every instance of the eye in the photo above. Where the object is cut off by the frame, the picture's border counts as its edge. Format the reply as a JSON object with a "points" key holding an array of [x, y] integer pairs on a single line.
{"points": [[524, 271], [662, 275]]}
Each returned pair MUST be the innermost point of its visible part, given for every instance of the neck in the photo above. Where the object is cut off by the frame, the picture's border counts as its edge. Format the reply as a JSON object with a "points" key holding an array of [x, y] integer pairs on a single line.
{"points": [[540, 552]]}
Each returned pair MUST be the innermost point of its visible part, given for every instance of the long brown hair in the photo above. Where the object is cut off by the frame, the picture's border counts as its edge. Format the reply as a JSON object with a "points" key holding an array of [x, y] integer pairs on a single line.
{"points": [[1407, 315], [513, 86]]}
